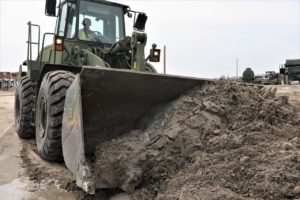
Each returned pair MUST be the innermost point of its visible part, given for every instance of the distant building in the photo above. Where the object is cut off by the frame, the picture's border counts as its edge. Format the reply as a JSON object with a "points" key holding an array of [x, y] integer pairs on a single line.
{"points": [[5, 75], [9, 75], [15, 75]]}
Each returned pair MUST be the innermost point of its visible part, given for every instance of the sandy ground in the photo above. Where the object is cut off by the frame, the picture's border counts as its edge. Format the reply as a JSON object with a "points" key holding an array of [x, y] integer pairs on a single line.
{"points": [[292, 91], [15, 183], [21, 170]]}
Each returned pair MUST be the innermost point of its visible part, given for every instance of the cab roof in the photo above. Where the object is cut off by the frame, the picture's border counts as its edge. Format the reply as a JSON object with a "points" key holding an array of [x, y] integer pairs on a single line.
{"points": [[125, 7]]}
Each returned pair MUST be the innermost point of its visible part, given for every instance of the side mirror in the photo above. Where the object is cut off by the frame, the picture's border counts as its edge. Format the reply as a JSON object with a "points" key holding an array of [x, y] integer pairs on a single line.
{"points": [[50, 8], [140, 22]]}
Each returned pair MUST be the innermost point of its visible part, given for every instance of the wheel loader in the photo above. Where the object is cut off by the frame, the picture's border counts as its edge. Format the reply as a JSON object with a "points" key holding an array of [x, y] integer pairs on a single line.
{"points": [[91, 85]]}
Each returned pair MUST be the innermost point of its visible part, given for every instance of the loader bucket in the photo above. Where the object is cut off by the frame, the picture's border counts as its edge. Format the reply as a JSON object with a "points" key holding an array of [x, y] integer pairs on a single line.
{"points": [[103, 103]]}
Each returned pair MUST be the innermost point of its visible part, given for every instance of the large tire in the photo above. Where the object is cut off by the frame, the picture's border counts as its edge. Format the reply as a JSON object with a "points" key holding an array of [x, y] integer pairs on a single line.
{"points": [[49, 114], [150, 68], [24, 108]]}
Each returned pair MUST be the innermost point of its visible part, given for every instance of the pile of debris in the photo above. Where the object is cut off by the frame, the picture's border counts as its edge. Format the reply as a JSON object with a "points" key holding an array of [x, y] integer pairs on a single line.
{"points": [[224, 140]]}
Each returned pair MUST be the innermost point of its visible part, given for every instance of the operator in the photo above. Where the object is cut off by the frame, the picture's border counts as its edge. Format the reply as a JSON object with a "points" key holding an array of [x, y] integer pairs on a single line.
{"points": [[86, 33]]}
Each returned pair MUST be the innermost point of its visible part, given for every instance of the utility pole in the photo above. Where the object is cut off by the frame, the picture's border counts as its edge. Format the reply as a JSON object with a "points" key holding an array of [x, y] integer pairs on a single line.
{"points": [[165, 59]]}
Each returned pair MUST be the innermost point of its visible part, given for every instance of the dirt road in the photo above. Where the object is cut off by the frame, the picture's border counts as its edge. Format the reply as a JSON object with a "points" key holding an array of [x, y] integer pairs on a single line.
{"points": [[292, 91], [15, 183]]}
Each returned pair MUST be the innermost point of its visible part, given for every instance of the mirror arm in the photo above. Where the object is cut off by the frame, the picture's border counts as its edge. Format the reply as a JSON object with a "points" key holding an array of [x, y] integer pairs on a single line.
{"points": [[136, 12], [148, 57]]}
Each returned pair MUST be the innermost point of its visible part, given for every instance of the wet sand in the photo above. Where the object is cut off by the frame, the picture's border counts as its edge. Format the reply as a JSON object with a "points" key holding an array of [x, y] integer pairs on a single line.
{"points": [[15, 183]]}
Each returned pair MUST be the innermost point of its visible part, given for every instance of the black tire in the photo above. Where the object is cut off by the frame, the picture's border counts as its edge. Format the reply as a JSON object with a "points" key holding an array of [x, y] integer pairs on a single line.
{"points": [[150, 68], [24, 108], [49, 114]]}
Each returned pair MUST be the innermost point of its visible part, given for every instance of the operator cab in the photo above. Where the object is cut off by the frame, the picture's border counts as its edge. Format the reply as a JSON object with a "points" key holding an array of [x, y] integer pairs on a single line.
{"points": [[91, 21], [98, 26]]}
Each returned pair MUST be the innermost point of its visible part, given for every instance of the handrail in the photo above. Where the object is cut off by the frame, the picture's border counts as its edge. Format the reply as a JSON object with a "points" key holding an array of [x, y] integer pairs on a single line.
{"points": [[29, 42]]}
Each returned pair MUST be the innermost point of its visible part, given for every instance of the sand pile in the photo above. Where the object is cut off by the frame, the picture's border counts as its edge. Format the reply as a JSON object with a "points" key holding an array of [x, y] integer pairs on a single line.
{"points": [[222, 141]]}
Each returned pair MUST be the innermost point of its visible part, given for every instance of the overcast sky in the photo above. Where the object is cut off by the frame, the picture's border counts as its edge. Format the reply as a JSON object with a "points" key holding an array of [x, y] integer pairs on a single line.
{"points": [[203, 38]]}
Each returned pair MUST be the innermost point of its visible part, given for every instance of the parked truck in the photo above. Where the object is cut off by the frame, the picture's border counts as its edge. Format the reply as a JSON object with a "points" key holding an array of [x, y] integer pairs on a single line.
{"points": [[290, 71]]}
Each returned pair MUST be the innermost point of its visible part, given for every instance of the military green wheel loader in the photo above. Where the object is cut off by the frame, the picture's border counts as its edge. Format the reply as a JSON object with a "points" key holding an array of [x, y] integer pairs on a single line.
{"points": [[91, 85]]}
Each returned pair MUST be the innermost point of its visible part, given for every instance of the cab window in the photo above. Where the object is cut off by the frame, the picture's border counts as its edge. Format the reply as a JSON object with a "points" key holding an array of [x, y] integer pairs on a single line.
{"points": [[100, 22]]}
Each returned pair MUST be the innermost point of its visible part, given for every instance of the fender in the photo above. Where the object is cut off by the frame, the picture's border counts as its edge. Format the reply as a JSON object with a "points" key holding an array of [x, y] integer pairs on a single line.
{"points": [[53, 67]]}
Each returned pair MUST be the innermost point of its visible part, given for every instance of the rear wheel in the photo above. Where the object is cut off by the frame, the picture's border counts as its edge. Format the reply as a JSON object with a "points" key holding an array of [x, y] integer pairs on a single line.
{"points": [[24, 108], [49, 114]]}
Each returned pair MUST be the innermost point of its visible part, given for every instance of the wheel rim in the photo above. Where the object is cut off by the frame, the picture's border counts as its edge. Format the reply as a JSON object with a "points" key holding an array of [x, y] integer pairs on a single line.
{"points": [[43, 117]]}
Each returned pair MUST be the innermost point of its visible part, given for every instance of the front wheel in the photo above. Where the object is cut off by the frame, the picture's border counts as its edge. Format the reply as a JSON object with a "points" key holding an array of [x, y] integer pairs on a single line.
{"points": [[49, 114]]}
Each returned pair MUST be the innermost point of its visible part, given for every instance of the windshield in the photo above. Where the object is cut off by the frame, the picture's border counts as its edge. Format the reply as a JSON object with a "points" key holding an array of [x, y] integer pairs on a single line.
{"points": [[100, 22]]}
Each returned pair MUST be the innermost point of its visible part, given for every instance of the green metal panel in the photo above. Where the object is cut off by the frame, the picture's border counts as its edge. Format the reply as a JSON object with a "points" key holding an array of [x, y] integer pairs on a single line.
{"points": [[48, 54], [292, 62], [33, 69]]}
